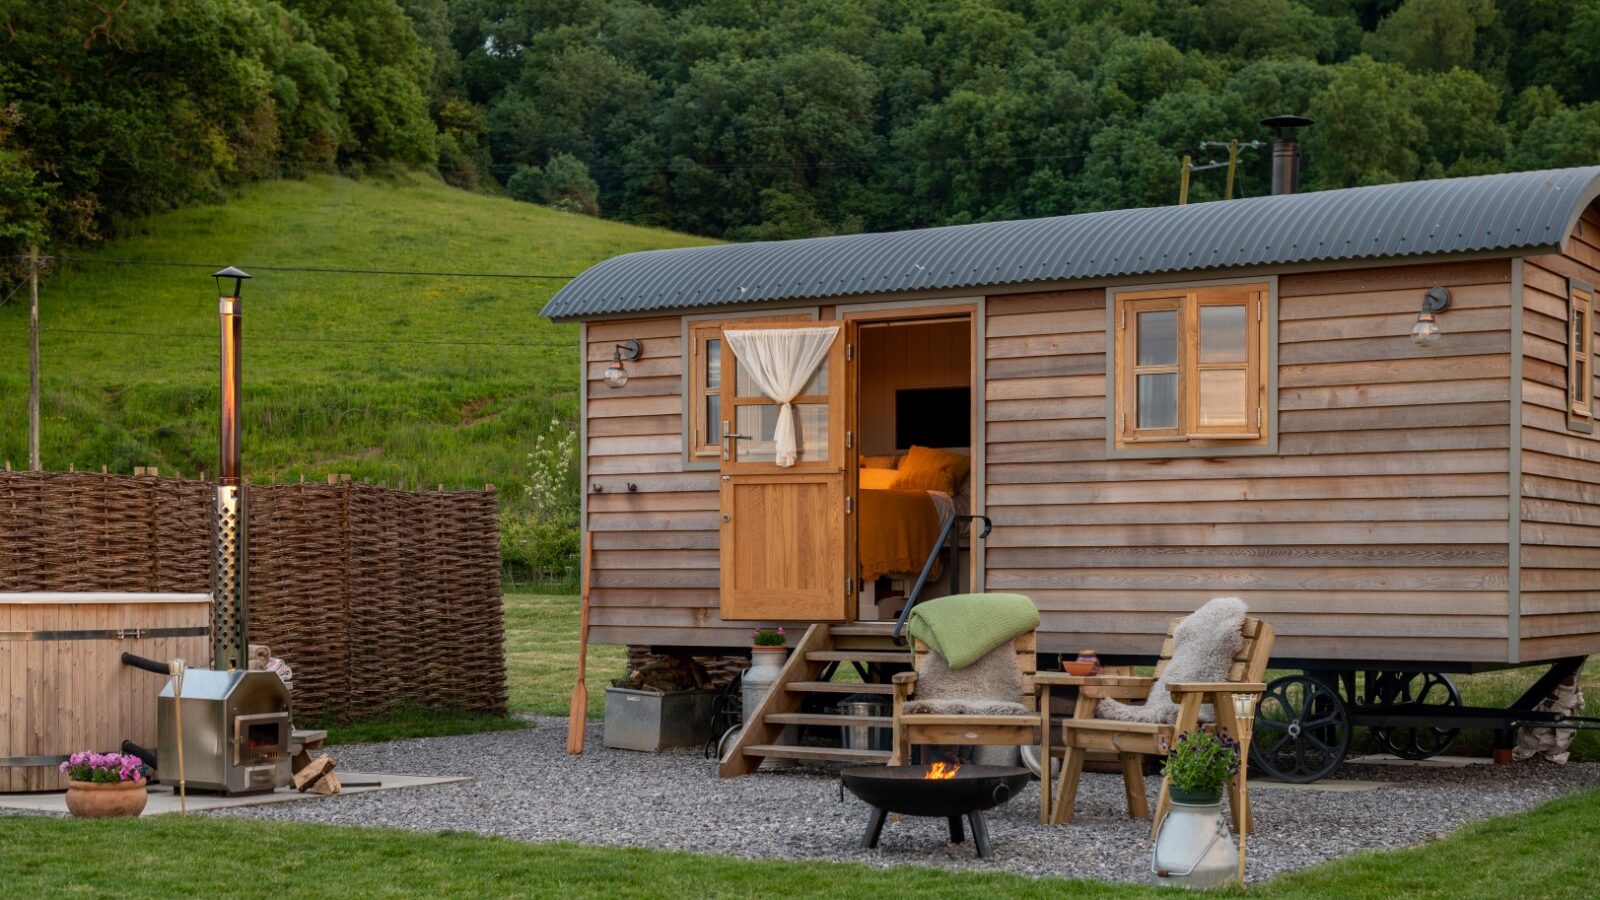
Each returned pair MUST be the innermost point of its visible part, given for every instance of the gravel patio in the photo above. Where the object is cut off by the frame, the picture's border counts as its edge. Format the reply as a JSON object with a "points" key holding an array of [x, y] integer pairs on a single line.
{"points": [[526, 787]]}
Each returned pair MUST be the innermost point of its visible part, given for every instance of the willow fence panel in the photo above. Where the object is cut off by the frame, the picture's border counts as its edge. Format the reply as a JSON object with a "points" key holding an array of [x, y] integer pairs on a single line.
{"points": [[376, 597]]}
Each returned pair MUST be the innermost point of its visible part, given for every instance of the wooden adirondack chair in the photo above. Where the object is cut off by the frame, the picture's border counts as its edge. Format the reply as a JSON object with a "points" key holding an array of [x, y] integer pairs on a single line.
{"points": [[966, 730], [1135, 740]]}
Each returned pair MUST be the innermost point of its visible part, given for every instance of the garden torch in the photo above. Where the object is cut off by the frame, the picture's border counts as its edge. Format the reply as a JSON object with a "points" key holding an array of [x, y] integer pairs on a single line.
{"points": [[229, 636], [1244, 717], [177, 666]]}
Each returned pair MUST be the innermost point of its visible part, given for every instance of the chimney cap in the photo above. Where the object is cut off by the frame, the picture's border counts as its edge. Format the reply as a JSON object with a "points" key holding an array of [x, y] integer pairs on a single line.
{"points": [[1282, 123]]}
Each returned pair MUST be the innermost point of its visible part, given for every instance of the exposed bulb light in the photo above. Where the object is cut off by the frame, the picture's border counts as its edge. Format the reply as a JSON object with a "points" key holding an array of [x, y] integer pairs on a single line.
{"points": [[1426, 332], [615, 375]]}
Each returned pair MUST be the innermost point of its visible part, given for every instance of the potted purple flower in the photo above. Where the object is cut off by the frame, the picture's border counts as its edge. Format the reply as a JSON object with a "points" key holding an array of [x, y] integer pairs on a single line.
{"points": [[101, 785], [768, 652]]}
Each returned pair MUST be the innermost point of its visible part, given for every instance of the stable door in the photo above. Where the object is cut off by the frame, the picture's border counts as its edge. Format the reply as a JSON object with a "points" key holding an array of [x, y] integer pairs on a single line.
{"points": [[785, 548]]}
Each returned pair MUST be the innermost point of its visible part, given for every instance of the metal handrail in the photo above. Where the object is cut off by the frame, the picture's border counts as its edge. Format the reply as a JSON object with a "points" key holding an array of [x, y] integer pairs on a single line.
{"points": [[927, 567]]}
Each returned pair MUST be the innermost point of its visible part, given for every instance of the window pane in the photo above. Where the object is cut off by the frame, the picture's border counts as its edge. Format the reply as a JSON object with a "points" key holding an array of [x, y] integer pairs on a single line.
{"points": [[811, 423], [1158, 401], [761, 421], [1222, 399], [744, 385], [1222, 334], [758, 422], [1158, 338], [714, 364], [713, 419], [818, 385]]}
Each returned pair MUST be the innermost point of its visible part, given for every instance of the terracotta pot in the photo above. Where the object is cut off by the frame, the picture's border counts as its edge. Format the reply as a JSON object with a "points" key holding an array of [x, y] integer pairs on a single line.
{"points": [[90, 800]]}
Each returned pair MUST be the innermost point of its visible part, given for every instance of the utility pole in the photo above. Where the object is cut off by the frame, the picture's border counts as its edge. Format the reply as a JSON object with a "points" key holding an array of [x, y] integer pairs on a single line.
{"points": [[1233, 147], [33, 360]]}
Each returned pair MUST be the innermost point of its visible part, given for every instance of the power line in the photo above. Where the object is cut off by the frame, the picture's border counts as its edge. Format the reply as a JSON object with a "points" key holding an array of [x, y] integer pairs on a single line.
{"points": [[844, 164], [280, 338], [316, 269]]}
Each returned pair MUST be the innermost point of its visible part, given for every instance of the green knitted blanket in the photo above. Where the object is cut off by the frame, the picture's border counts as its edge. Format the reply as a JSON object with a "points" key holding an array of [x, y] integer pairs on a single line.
{"points": [[963, 627]]}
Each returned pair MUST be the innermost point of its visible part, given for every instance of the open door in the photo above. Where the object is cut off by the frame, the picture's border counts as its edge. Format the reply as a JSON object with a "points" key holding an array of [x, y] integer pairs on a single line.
{"points": [[785, 550]]}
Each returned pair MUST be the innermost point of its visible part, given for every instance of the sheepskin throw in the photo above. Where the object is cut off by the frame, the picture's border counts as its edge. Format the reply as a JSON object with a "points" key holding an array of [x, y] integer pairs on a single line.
{"points": [[1203, 647], [992, 686]]}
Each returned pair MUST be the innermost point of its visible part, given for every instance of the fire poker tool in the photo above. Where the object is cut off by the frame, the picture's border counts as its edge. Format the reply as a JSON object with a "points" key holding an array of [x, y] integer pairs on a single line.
{"points": [[177, 667]]}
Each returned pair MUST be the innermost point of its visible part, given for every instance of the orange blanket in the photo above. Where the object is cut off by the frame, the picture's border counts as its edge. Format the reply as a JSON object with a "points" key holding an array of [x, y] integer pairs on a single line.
{"points": [[898, 529]]}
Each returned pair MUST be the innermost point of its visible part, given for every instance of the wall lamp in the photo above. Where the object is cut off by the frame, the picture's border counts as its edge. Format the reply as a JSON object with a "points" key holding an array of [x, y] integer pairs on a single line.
{"points": [[1426, 332], [615, 375]]}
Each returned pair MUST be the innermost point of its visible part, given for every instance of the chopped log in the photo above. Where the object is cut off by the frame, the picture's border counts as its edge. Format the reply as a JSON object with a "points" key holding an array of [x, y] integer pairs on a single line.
{"points": [[328, 784], [308, 776]]}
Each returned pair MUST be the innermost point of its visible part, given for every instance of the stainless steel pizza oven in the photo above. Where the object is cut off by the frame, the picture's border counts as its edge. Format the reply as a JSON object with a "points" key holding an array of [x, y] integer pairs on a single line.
{"points": [[235, 731]]}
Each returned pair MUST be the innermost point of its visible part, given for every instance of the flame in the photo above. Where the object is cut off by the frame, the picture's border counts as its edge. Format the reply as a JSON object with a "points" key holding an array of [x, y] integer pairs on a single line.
{"points": [[941, 772]]}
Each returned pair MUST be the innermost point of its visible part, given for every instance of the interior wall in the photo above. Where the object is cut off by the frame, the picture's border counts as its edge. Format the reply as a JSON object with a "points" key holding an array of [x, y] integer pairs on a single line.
{"points": [[912, 355]]}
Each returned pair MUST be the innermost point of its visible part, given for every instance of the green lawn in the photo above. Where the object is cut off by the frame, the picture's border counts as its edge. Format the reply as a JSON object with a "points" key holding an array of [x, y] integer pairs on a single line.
{"points": [[542, 656], [1546, 853], [415, 379]]}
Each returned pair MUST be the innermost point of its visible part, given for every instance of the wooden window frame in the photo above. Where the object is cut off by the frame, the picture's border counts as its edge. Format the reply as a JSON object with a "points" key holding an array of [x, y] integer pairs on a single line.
{"points": [[696, 331], [700, 334], [1580, 357], [1189, 435]]}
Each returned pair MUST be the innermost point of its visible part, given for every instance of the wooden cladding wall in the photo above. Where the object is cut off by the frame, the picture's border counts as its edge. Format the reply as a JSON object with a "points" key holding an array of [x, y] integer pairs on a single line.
{"points": [[1560, 467], [654, 575], [376, 598], [1378, 531]]}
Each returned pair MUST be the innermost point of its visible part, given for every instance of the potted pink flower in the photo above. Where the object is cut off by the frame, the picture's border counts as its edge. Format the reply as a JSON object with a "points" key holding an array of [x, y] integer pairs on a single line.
{"points": [[101, 785]]}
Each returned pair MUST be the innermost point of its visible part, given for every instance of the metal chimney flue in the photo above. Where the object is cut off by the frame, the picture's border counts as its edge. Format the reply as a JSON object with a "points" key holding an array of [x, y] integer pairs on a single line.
{"points": [[1286, 152], [229, 594]]}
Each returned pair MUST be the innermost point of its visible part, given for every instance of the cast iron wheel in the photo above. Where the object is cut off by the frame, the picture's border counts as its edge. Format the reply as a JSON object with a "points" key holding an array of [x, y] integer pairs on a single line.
{"points": [[1302, 730], [1427, 688]]}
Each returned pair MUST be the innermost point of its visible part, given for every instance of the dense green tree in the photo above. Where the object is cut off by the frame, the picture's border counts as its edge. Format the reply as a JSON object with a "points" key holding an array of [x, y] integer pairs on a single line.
{"points": [[775, 118], [1436, 35], [387, 77], [1367, 131]]}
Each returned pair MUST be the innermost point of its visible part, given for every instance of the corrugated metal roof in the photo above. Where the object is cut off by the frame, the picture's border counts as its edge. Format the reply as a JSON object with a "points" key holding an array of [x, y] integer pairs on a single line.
{"points": [[1518, 211]]}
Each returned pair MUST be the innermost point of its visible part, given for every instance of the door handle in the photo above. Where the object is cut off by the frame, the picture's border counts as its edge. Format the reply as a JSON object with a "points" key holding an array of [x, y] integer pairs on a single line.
{"points": [[728, 436]]}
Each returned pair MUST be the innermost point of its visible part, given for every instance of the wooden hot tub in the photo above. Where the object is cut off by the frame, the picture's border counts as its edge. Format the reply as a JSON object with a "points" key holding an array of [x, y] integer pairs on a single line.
{"points": [[63, 686]]}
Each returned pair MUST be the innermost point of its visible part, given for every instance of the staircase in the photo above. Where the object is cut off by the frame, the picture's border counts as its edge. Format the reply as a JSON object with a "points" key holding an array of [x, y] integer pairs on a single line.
{"points": [[823, 650]]}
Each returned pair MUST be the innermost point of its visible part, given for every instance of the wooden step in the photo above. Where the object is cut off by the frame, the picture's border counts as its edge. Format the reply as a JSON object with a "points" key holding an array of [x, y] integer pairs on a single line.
{"points": [[862, 629], [839, 687], [861, 656], [829, 719], [828, 754]]}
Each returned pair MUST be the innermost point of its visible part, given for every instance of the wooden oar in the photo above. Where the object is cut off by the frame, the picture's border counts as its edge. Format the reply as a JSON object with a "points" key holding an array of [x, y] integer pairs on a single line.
{"points": [[578, 713]]}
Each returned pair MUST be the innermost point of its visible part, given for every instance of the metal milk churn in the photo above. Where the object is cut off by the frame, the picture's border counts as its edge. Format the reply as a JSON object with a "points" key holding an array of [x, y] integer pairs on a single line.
{"points": [[1195, 848]]}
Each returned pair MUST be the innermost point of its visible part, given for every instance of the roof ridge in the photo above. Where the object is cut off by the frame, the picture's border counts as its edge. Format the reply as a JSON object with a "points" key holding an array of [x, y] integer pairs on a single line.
{"points": [[1477, 213]]}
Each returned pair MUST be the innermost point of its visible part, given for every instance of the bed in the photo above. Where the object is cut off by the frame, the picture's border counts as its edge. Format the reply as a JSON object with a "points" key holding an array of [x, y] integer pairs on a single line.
{"points": [[902, 510]]}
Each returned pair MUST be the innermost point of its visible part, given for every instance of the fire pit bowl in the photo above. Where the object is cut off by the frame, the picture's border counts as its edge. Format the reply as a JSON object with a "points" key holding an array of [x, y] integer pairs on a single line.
{"points": [[965, 790]]}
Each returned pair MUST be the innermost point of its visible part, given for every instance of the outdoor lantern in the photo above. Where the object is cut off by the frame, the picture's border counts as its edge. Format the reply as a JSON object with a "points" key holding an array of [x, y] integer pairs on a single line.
{"points": [[615, 374], [1426, 332], [1244, 715]]}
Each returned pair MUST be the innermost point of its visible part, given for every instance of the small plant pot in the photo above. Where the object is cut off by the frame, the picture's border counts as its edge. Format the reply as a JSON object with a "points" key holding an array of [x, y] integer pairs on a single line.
{"points": [[91, 800], [1195, 797]]}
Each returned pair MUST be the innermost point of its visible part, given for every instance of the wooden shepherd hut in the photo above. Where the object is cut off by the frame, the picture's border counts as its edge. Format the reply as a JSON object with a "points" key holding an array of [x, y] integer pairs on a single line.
{"points": [[1368, 412]]}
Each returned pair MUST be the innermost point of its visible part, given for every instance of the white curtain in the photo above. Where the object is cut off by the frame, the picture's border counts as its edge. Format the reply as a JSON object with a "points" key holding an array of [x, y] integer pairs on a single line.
{"points": [[780, 361]]}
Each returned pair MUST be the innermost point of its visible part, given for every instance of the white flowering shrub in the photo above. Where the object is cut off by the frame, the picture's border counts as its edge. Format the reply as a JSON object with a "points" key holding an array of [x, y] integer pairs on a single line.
{"points": [[540, 541]]}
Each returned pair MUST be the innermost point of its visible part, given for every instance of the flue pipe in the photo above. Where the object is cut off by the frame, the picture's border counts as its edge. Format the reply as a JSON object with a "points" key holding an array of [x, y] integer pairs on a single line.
{"points": [[229, 601], [1285, 152]]}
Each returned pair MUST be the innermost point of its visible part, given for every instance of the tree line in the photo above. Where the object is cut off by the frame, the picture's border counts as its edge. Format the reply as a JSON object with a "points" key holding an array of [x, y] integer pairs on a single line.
{"points": [[759, 119], [754, 119]]}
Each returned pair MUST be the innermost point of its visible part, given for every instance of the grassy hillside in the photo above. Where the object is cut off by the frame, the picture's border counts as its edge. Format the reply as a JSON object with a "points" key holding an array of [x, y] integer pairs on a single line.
{"points": [[421, 379]]}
